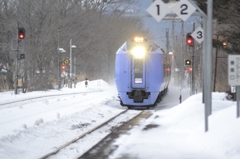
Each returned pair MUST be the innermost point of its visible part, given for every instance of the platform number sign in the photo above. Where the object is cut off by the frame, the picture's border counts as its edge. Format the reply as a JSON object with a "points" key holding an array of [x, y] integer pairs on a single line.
{"points": [[198, 35], [234, 70], [158, 10], [184, 9]]}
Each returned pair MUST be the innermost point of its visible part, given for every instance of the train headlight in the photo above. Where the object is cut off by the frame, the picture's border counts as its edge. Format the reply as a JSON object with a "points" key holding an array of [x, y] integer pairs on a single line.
{"points": [[138, 52]]}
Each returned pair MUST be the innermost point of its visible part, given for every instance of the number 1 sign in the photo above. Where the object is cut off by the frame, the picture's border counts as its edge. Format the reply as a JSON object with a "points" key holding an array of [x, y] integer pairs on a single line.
{"points": [[158, 10]]}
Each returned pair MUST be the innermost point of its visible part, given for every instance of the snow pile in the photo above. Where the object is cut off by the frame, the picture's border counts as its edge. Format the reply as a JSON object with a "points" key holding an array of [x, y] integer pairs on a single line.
{"points": [[179, 132]]}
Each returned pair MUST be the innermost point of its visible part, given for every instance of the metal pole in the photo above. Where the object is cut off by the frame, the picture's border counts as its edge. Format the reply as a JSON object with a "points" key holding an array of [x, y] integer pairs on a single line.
{"points": [[59, 84], [167, 41], [16, 72], [173, 64], [204, 19], [16, 67], [70, 63], [193, 65], [209, 58], [215, 72], [182, 55], [238, 100], [75, 72], [204, 68]]}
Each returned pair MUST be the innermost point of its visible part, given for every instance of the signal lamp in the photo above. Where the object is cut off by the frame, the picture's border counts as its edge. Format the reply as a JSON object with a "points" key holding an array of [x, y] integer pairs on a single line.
{"points": [[167, 69], [63, 67], [190, 69], [189, 39], [138, 39], [22, 56], [224, 43], [187, 62], [21, 33]]}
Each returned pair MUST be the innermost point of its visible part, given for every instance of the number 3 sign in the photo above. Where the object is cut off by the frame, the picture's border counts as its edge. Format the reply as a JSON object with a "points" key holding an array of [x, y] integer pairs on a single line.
{"points": [[198, 35]]}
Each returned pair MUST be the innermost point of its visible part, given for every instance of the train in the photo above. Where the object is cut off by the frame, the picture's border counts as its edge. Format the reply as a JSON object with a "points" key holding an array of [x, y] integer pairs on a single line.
{"points": [[142, 73]]}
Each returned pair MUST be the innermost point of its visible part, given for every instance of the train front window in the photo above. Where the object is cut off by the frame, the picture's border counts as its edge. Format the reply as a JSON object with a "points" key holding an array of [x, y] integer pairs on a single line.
{"points": [[138, 71]]}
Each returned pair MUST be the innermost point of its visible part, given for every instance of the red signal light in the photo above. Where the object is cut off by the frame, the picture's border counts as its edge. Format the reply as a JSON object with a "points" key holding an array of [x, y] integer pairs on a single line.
{"points": [[21, 36], [190, 69], [167, 69], [189, 39], [21, 33]]}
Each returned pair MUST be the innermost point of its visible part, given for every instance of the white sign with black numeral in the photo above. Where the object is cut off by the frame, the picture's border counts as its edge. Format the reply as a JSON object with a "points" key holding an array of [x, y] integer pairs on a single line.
{"points": [[158, 10], [198, 35], [184, 9]]}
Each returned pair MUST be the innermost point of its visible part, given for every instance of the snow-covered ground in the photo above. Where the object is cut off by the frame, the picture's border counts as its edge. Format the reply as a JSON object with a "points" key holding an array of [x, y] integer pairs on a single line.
{"points": [[179, 132], [32, 128]]}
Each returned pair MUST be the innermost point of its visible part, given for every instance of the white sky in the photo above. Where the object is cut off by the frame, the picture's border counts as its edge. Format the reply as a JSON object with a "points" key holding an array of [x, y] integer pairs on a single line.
{"points": [[32, 128]]}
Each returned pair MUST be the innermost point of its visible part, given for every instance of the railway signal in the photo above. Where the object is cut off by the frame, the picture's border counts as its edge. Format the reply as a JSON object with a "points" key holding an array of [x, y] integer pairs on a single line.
{"points": [[63, 67], [189, 39], [224, 44], [21, 33], [187, 62], [22, 56]]}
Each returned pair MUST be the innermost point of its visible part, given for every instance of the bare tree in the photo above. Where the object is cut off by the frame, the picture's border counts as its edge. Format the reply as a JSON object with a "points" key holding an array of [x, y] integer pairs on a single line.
{"points": [[96, 28]]}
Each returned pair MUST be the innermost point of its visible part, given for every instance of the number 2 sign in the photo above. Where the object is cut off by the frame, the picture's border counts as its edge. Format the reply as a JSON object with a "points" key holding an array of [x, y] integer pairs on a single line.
{"points": [[184, 9]]}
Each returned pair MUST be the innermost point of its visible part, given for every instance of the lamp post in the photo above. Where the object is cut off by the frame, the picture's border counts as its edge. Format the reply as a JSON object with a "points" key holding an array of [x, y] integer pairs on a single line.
{"points": [[59, 50], [71, 46]]}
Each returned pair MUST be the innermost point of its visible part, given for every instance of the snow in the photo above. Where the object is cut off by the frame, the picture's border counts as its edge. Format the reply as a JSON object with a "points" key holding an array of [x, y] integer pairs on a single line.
{"points": [[32, 128]]}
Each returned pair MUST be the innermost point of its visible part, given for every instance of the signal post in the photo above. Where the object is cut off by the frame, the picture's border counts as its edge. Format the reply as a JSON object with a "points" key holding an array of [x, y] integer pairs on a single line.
{"points": [[21, 36], [184, 9]]}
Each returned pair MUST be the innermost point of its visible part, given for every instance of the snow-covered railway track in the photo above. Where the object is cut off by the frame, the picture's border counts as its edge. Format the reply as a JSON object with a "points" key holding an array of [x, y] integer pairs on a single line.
{"points": [[120, 118], [39, 98]]}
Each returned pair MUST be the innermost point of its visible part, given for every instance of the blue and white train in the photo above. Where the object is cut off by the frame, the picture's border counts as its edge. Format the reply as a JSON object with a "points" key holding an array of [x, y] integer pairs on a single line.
{"points": [[142, 73]]}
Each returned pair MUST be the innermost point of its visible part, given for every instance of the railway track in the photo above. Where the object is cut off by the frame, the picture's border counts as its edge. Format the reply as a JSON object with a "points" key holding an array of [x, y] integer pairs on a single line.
{"points": [[24, 101], [57, 150], [143, 114]]}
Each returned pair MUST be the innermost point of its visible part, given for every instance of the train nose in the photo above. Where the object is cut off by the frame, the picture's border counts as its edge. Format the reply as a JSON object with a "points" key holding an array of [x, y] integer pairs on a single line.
{"points": [[138, 95]]}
